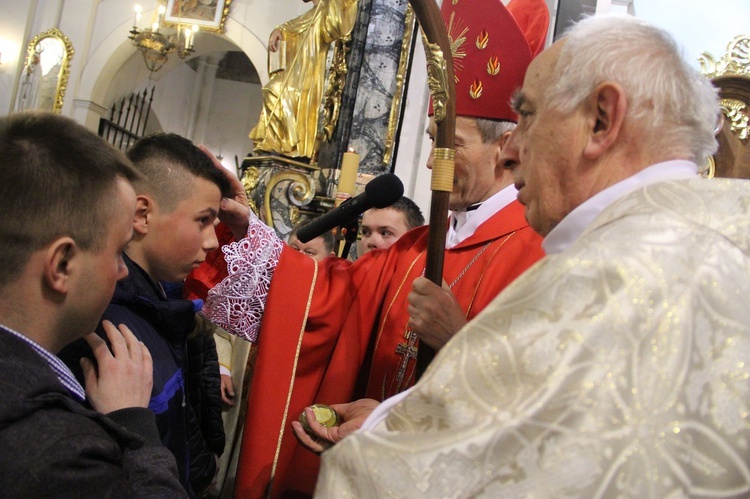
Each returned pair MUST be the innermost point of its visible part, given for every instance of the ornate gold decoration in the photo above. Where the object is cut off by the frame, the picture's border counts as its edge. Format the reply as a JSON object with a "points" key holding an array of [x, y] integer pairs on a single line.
{"points": [[266, 173], [709, 170], [250, 182], [334, 89], [398, 93], [33, 60], [736, 62], [300, 192], [735, 111], [437, 71], [727, 73], [443, 163]]}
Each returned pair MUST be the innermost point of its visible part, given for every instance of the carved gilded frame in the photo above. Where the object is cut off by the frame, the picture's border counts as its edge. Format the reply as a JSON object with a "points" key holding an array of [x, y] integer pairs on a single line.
{"points": [[398, 96], [213, 22], [34, 66]]}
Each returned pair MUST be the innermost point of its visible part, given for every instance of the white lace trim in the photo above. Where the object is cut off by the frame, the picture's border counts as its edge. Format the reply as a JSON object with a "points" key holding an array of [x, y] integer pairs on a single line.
{"points": [[237, 302]]}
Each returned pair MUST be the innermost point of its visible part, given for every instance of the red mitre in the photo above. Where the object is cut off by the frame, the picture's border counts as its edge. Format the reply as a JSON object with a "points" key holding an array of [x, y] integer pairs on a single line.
{"points": [[491, 51]]}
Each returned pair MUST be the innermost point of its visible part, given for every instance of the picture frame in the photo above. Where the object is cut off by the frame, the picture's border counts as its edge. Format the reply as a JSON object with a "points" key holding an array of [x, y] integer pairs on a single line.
{"points": [[208, 15]]}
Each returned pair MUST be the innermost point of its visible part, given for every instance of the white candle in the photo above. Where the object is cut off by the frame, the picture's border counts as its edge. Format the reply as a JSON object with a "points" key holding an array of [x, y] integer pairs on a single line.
{"points": [[347, 176], [137, 16]]}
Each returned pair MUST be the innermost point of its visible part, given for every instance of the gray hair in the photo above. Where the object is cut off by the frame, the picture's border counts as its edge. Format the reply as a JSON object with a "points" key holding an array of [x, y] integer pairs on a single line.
{"points": [[491, 130], [667, 99]]}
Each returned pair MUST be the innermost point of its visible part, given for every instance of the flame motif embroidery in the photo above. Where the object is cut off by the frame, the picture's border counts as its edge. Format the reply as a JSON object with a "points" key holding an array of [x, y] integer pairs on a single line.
{"points": [[483, 39], [475, 90], [457, 39], [493, 66]]}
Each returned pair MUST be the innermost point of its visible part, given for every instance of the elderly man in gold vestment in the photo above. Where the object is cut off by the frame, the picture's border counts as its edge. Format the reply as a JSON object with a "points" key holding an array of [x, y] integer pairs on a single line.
{"points": [[292, 97], [619, 365]]}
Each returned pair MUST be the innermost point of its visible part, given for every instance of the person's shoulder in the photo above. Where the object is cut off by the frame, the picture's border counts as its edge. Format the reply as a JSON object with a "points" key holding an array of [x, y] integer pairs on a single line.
{"points": [[23, 372]]}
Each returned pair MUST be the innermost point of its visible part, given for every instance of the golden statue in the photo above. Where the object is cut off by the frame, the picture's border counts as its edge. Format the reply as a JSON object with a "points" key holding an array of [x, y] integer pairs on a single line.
{"points": [[297, 64]]}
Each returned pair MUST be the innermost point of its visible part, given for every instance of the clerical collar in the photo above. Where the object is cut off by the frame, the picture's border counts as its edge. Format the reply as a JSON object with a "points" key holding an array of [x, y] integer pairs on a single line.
{"points": [[464, 223], [572, 226], [460, 216]]}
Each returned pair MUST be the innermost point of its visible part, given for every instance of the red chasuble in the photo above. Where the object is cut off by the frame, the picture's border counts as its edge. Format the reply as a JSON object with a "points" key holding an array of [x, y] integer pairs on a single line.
{"points": [[335, 331]]}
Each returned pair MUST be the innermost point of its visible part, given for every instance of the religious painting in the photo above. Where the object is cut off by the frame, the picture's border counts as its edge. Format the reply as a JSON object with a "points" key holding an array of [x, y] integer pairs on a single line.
{"points": [[208, 15]]}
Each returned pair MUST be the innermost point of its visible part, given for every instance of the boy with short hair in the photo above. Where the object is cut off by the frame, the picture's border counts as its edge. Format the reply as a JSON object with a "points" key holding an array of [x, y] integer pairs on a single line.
{"points": [[177, 202], [67, 214], [317, 248], [382, 227]]}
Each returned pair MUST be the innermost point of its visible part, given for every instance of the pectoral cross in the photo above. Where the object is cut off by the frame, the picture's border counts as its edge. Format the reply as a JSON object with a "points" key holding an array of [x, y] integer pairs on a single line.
{"points": [[409, 351]]}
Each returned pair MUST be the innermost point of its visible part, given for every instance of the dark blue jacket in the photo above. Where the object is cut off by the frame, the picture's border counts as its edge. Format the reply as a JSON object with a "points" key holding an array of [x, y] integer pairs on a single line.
{"points": [[163, 325]]}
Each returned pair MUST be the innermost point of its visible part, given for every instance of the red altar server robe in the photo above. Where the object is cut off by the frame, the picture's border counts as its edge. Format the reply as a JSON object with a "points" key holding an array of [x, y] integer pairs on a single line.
{"points": [[332, 331]]}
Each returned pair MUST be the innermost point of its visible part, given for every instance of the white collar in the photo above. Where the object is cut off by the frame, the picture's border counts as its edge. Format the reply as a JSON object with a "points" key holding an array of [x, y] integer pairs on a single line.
{"points": [[463, 224], [572, 226]]}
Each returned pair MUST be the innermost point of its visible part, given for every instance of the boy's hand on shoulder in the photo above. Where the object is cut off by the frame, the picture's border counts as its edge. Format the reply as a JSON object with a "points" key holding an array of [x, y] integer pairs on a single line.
{"points": [[123, 377]]}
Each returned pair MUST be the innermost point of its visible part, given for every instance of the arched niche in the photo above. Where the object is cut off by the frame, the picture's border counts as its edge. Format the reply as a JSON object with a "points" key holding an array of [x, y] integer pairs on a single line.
{"points": [[114, 51]]}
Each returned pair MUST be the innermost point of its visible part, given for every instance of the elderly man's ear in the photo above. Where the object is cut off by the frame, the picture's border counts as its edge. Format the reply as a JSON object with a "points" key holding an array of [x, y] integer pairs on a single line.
{"points": [[606, 109]]}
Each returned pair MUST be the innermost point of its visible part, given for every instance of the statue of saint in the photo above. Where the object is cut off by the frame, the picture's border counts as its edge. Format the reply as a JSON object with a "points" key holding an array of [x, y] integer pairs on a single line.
{"points": [[292, 97]]}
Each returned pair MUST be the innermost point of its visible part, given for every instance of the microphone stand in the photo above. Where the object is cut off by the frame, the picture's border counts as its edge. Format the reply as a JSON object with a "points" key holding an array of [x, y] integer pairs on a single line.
{"points": [[349, 231]]}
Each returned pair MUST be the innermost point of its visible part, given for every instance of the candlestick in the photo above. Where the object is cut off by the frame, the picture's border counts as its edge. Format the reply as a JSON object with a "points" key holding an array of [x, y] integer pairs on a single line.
{"points": [[347, 176]]}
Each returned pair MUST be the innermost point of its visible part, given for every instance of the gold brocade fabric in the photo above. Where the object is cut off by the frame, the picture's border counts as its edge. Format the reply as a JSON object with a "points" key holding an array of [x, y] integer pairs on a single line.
{"points": [[618, 368], [292, 97]]}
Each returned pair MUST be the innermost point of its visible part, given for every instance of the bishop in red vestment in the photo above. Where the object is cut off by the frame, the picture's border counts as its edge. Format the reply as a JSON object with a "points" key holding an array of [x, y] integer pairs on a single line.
{"points": [[335, 331]]}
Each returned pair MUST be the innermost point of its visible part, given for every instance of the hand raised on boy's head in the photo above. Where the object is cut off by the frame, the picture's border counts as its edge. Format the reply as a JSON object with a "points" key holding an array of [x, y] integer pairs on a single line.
{"points": [[124, 376], [234, 209]]}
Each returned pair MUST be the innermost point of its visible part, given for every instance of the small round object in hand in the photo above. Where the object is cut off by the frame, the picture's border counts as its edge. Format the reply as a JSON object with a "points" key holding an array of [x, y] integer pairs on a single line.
{"points": [[323, 413]]}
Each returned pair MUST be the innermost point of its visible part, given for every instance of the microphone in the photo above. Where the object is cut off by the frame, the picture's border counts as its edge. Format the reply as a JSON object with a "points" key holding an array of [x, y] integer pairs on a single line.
{"points": [[380, 192]]}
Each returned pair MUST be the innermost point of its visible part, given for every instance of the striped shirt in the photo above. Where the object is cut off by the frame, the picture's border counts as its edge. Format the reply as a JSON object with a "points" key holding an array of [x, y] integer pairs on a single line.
{"points": [[61, 370]]}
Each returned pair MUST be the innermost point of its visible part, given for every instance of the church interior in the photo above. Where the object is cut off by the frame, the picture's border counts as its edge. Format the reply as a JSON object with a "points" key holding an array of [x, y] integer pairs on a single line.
{"points": [[307, 101], [208, 85]]}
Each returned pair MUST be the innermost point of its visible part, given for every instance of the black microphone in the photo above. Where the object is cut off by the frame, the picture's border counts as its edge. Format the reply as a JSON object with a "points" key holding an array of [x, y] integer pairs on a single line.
{"points": [[380, 192]]}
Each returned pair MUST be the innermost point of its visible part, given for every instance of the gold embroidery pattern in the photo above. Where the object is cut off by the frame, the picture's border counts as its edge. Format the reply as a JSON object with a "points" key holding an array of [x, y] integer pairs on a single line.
{"points": [[483, 39], [493, 66], [475, 90], [457, 38], [284, 421]]}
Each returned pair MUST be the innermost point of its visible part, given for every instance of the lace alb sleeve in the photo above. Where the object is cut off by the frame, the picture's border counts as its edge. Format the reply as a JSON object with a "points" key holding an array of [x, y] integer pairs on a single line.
{"points": [[237, 302]]}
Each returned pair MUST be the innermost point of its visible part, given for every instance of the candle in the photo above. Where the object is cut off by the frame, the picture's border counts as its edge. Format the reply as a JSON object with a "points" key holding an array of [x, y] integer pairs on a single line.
{"points": [[155, 26], [188, 33], [137, 16], [347, 176]]}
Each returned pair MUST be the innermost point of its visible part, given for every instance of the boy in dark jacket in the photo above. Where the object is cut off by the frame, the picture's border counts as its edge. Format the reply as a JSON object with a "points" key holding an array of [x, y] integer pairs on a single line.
{"points": [[176, 205], [68, 209]]}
